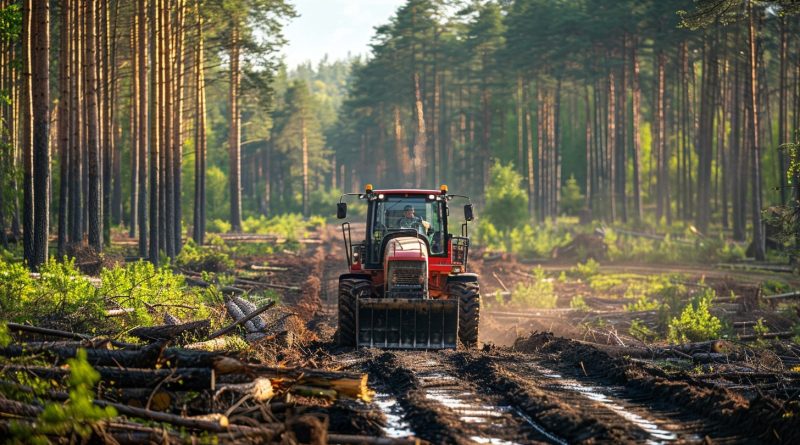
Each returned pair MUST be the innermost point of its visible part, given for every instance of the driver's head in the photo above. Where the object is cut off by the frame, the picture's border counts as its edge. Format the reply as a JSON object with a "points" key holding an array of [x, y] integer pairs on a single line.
{"points": [[408, 211]]}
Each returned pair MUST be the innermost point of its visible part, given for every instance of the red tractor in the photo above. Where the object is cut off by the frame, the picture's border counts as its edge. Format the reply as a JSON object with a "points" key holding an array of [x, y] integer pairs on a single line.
{"points": [[407, 285]]}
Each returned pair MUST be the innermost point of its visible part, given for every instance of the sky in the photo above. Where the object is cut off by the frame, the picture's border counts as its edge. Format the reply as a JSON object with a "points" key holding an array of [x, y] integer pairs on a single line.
{"points": [[334, 27]]}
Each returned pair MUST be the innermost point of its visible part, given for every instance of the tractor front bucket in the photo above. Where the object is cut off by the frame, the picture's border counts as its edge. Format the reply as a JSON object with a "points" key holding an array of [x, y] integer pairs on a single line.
{"points": [[405, 323]]}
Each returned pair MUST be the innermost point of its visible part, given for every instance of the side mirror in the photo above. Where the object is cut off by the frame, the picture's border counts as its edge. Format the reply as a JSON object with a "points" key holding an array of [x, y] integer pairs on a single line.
{"points": [[468, 215], [341, 210]]}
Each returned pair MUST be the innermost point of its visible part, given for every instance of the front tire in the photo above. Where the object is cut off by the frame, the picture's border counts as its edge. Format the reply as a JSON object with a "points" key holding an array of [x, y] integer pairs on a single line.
{"points": [[350, 290], [469, 311]]}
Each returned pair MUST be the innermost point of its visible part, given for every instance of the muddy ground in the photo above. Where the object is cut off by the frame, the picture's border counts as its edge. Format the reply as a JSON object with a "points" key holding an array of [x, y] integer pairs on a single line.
{"points": [[559, 375], [542, 376]]}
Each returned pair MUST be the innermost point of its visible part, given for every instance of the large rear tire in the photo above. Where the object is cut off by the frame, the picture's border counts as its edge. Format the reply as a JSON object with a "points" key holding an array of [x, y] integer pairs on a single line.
{"points": [[350, 290], [469, 311]]}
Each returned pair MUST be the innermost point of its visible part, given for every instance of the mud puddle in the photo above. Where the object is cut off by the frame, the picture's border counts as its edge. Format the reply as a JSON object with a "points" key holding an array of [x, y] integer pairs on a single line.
{"points": [[396, 426]]}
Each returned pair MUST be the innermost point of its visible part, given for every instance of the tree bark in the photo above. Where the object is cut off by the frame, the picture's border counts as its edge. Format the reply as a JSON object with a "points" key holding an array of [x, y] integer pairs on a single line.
{"points": [[63, 128], [26, 112], [758, 229], [40, 30], [155, 174], [93, 143], [134, 122], [234, 141], [637, 180]]}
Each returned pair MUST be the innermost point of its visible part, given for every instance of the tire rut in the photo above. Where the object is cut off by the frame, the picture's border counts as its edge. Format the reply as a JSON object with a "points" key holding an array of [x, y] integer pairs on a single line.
{"points": [[444, 408]]}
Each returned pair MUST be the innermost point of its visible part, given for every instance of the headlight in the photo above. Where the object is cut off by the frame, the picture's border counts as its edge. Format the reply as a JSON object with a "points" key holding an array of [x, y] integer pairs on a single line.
{"points": [[456, 269]]}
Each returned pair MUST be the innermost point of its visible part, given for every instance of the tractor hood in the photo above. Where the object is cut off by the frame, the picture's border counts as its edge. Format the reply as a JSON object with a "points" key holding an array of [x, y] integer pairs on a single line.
{"points": [[406, 264]]}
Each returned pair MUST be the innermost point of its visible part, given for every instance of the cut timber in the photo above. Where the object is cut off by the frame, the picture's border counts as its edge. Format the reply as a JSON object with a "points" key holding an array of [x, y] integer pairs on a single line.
{"points": [[197, 329], [368, 440], [18, 409], [182, 378], [241, 321], [142, 358], [268, 268], [786, 296], [767, 336], [259, 389], [242, 281], [346, 383]]}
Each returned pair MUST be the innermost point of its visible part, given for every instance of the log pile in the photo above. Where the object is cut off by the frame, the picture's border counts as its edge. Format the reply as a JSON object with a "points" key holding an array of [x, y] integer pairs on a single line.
{"points": [[164, 393]]}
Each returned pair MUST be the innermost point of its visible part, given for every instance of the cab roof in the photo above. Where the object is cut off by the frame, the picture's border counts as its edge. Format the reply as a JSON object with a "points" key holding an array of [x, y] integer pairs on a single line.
{"points": [[408, 191]]}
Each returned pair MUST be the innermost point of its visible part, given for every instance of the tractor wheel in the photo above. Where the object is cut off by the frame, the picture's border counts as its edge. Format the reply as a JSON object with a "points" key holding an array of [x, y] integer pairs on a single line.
{"points": [[350, 290], [469, 309]]}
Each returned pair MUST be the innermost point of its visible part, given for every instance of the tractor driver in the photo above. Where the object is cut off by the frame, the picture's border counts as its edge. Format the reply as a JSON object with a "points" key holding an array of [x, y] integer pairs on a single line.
{"points": [[408, 220]]}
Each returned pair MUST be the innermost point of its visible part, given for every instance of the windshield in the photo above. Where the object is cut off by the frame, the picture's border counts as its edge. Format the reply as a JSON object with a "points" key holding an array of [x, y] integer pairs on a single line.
{"points": [[396, 213]]}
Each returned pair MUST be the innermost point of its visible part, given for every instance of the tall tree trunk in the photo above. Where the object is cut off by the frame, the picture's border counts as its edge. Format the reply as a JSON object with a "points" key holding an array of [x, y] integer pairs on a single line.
{"points": [[76, 124], [104, 115], [612, 145], [234, 142], [26, 112], [167, 124], [155, 174], [304, 146], [63, 129], [758, 228], [637, 180], [783, 128], [143, 123], [200, 137], [177, 127], [40, 30], [421, 137], [134, 122], [531, 154], [93, 141], [662, 199]]}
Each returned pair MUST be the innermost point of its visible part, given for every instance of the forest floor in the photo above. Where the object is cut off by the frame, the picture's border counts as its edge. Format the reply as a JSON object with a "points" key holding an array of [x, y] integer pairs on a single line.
{"points": [[593, 366]]}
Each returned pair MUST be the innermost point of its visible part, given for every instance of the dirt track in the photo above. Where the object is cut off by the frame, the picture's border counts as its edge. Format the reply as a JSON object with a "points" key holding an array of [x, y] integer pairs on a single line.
{"points": [[548, 389]]}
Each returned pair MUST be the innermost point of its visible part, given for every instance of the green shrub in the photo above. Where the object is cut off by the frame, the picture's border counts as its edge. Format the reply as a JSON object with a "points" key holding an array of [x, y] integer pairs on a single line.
{"points": [[585, 270], [16, 285], [211, 257], [219, 226], [695, 322], [642, 332], [642, 304], [506, 200], [487, 236], [572, 200], [537, 293], [77, 415], [151, 291], [579, 304]]}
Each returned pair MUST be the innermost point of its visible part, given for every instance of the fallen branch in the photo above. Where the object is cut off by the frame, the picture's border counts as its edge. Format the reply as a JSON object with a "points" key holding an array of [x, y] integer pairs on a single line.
{"points": [[167, 332], [14, 327]]}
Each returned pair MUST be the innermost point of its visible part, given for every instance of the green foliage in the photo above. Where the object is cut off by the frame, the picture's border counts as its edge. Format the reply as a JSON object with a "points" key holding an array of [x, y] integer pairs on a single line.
{"points": [[572, 200], [485, 234], [695, 322], [579, 304], [585, 270], [642, 304], [214, 256], [60, 293], [217, 193], [5, 335], [151, 291], [219, 226], [290, 226], [538, 293], [506, 200], [760, 329], [76, 416], [641, 331]]}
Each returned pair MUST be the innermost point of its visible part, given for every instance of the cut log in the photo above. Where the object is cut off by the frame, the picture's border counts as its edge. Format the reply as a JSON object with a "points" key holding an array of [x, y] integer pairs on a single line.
{"points": [[143, 358], [347, 383], [785, 296], [176, 379], [241, 321], [18, 409], [768, 336], [197, 329], [259, 389], [369, 440], [268, 268], [241, 281]]}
